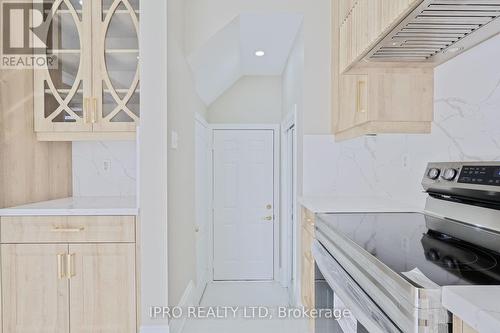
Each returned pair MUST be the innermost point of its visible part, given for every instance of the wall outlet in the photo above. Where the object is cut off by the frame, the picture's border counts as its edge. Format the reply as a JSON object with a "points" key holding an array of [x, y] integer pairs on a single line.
{"points": [[405, 161], [174, 140], [106, 166]]}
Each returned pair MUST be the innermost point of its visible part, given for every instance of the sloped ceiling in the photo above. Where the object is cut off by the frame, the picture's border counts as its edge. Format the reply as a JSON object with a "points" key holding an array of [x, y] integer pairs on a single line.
{"points": [[230, 53]]}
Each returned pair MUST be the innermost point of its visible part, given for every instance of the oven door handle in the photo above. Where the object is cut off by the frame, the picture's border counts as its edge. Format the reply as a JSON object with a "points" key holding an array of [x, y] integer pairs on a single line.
{"points": [[354, 298]]}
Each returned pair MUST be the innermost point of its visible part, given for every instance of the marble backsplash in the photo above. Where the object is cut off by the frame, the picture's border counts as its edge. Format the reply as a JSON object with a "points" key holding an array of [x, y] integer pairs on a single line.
{"points": [[104, 168], [466, 127]]}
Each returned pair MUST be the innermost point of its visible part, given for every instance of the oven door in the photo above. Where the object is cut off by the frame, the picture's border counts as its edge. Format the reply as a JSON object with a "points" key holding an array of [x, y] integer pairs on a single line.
{"points": [[334, 288]]}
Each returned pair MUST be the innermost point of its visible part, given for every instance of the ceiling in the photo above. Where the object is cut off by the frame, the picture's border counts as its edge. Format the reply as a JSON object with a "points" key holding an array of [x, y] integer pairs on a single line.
{"points": [[230, 53]]}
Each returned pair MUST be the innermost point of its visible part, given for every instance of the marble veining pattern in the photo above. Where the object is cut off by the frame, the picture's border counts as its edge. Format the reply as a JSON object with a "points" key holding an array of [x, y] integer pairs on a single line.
{"points": [[90, 177], [465, 127], [477, 305]]}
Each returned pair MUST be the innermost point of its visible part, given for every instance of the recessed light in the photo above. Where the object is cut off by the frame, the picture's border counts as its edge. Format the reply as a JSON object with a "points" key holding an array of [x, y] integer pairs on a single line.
{"points": [[260, 53]]}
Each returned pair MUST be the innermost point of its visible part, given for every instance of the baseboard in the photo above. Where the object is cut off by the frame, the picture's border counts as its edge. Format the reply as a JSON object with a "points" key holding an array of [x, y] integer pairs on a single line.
{"points": [[187, 299], [198, 293], [154, 329]]}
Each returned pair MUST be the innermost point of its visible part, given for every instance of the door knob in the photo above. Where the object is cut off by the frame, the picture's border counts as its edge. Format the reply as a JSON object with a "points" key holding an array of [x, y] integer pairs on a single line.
{"points": [[269, 206]]}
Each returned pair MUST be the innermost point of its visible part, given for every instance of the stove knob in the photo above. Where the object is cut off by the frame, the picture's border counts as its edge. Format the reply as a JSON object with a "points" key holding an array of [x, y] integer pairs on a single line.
{"points": [[449, 263], [450, 174], [433, 173], [434, 255]]}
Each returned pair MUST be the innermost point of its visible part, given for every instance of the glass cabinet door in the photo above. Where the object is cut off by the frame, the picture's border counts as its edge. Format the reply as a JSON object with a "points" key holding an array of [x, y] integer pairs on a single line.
{"points": [[116, 73], [62, 90]]}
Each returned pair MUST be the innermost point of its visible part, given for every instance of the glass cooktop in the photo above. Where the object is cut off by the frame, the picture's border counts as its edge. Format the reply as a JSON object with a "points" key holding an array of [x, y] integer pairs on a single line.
{"points": [[405, 241]]}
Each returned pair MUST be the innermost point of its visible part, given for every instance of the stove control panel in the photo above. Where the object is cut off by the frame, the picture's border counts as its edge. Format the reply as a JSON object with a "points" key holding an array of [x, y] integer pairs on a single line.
{"points": [[457, 177], [480, 175]]}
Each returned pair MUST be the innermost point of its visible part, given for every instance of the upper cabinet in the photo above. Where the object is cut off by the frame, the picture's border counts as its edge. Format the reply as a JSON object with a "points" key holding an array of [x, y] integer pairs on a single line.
{"points": [[375, 98], [91, 91], [361, 23]]}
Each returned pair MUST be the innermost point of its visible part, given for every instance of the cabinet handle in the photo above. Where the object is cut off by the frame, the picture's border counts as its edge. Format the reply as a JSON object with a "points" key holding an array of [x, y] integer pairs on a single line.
{"points": [[86, 102], [70, 270], [94, 110], [268, 218], [60, 270], [360, 98], [62, 229]]}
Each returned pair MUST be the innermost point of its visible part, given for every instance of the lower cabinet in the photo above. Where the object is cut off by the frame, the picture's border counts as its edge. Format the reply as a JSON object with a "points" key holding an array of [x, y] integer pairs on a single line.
{"points": [[69, 287], [307, 263], [461, 327], [35, 290]]}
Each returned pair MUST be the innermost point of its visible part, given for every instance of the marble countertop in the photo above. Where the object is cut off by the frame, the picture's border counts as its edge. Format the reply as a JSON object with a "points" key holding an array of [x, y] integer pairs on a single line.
{"points": [[478, 306], [81, 206], [355, 204]]}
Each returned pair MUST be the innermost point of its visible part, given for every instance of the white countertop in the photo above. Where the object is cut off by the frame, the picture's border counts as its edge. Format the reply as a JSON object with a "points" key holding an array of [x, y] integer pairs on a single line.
{"points": [[93, 206], [478, 306], [354, 204]]}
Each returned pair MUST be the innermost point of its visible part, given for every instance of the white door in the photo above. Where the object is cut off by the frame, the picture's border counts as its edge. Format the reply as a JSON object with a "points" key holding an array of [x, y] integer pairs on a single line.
{"points": [[202, 204], [243, 204]]}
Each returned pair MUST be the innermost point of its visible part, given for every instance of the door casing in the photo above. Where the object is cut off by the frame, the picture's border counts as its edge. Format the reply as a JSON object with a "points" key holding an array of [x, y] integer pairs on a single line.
{"points": [[276, 173]]}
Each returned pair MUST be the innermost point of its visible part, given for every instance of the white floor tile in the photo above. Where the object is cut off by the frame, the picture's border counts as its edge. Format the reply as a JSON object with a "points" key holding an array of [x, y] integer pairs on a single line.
{"points": [[245, 294]]}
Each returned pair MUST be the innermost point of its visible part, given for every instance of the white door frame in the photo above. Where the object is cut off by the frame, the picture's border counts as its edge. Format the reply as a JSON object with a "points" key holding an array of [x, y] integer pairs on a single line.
{"points": [[200, 289], [276, 175], [289, 251]]}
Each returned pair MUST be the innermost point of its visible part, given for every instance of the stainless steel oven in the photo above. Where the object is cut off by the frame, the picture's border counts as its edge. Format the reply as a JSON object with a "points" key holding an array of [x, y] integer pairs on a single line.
{"points": [[387, 269], [335, 289]]}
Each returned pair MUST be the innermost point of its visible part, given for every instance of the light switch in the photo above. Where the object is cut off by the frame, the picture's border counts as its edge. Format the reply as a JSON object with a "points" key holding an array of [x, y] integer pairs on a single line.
{"points": [[175, 140]]}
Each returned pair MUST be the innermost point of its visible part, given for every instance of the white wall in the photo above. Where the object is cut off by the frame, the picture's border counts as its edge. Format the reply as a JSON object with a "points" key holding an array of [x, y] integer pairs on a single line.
{"points": [[90, 177], [466, 127], [153, 164], [205, 17], [293, 101], [251, 100], [183, 103]]}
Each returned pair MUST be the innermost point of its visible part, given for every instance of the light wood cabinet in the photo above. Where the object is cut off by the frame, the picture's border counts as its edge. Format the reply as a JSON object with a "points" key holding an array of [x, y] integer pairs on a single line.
{"points": [[69, 275], [459, 326], [363, 22], [307, 262], [102, 288], [35, 292], [92, 90], [375, 98]]}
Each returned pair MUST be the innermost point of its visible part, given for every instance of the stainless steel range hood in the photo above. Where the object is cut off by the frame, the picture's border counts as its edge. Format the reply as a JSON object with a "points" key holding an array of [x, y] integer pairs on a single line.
{"points": [[438, 30]]}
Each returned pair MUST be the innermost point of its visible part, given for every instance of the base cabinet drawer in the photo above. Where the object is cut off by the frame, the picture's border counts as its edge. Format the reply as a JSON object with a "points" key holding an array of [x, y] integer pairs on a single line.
{"points": [[68, 229]]}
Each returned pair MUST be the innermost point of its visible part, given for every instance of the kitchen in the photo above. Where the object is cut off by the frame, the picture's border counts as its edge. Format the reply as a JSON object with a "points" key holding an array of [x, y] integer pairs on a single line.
{"points": [[108, 200]]}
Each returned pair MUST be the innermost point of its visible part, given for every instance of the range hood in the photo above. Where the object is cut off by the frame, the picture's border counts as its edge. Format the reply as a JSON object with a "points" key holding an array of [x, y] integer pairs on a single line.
{"points": [[438, 30]]}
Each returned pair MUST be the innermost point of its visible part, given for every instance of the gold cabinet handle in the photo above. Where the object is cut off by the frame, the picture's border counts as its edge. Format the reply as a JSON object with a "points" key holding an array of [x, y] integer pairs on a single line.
{"points": [[94, 110], [60, 270], [62, 229], [268, 218], [360, 107], [70, 269], [86, 102]]}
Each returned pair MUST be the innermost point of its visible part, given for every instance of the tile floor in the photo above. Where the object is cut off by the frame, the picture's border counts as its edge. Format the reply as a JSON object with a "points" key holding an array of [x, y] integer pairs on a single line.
{"points": [[244, 295]]}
